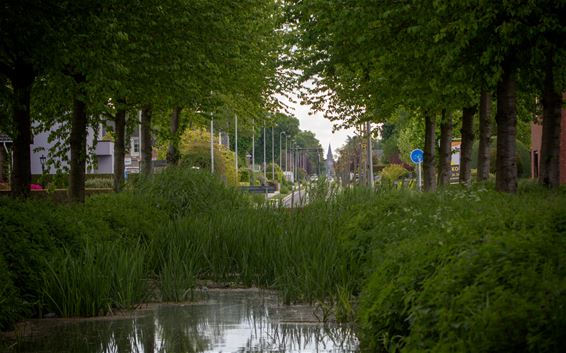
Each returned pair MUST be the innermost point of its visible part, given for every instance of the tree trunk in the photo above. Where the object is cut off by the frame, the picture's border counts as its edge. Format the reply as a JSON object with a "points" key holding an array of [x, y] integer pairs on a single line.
{"points": [[119, 148], [506, 117], [78, 144], [429, 176], [550, 148], [3, 160], [22, 80], [173, 150], [485, 137], [146, 148], [467, 132], [445, 151]]}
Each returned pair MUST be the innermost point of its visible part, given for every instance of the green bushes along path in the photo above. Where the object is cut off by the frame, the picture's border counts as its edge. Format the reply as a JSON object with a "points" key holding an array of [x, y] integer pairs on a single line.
{"points": [[458, 270]]}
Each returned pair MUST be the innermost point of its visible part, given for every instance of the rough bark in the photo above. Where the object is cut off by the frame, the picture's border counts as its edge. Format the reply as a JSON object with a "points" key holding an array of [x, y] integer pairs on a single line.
{"points": [[429, 176], [146, 148], [3, 161], [119, 148], [467, 132], [551, 125], [173, 150], [506, 117], [445, 150], [485, 137], [78, 144], [21, 79]]}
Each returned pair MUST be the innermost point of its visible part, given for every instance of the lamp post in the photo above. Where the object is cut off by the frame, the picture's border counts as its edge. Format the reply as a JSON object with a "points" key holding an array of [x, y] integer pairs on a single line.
{"points": [[286, 154], [236, 146], [272, 153], [253, 148], [264, 153], [249, 160], [280, 158], [211, 143]]}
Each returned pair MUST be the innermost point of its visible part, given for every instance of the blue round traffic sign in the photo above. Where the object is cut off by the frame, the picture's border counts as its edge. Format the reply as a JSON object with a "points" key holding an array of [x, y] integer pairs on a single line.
{"points": [[417, 156]]}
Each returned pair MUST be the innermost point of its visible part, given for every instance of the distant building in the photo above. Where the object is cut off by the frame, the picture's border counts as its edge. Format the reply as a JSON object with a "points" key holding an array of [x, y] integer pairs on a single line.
{"points": [[330, 173], [100, 149]]}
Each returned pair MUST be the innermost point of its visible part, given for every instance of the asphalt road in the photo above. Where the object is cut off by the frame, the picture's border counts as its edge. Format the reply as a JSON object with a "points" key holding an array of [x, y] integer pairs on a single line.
{"points": [[295, 199]]}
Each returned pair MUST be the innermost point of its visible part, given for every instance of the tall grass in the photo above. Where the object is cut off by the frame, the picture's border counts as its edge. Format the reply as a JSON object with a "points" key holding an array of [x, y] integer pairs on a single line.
{"points": [[104, 275], [432, 272]]}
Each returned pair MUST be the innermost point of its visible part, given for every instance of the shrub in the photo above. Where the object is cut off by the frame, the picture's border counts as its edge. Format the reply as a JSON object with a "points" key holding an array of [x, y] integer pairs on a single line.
{"points": [[245, 175], [126, 215], [11, 306], [393, 172], [460, 270], [99, 183], [194, 148], [182, 191], [278, 172]]}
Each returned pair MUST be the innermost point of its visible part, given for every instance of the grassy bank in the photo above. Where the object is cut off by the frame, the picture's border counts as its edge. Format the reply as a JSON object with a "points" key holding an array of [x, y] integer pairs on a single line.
{"points": [[459, 270]]}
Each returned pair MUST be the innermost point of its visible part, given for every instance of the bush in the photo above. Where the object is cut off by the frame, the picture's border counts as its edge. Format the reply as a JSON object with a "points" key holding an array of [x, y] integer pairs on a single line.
{"points": [[462, 271], [245, 175], [99, 183], [182, 191], [11, 306], [278, 172], [393, 172], [194, 148]]}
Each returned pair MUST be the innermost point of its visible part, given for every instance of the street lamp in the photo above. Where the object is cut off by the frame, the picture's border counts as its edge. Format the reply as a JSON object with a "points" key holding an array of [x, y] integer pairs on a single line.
{"points": [[272, 153], [286, 154], [280, 158], [249, 160]]}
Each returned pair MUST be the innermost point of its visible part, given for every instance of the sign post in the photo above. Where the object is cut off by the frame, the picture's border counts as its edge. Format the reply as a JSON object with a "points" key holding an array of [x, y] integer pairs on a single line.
{"points": [[417, 157]]}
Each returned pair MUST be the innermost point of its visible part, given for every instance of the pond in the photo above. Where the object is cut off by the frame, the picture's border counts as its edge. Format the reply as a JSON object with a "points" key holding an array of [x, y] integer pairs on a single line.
{"points": [[226, 321]]}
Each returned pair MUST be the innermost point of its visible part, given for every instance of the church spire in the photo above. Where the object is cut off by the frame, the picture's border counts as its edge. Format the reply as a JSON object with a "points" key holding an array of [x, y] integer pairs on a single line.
{"points": [[330, 164]]}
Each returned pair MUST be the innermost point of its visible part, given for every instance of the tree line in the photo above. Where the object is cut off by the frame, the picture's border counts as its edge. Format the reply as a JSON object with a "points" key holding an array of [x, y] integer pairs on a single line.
{"points": [[436, 59], [82, 62]]}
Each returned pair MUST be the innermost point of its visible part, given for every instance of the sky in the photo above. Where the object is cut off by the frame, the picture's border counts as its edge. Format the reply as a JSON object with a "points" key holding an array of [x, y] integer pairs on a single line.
{"points": [[321, 127]]}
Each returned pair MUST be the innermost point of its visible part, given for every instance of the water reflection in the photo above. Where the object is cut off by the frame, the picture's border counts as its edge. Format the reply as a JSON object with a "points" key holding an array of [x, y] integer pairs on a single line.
{"points": [[234, 321]]}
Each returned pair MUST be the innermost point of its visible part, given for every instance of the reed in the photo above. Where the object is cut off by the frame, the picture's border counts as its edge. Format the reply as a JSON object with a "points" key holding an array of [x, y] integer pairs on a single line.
{"points": [[101, 276]]}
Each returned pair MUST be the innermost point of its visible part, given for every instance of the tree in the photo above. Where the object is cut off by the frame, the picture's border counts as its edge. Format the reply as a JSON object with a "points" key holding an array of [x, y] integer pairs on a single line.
{"points": [[26, 32]]}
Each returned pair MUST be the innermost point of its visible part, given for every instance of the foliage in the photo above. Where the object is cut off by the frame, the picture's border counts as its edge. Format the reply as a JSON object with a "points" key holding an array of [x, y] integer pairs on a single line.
{"points": [[195, 152], [451, 271], [182, 191], [523, 158], [106, 275], [245, 175], [30, 232], [456, 275], [393, 172], [278, 173], [99, 183], [11, 307]]}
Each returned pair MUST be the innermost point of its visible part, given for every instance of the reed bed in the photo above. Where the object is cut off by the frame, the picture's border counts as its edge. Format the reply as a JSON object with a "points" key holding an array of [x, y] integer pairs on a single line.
{"points": [[393, 261]]}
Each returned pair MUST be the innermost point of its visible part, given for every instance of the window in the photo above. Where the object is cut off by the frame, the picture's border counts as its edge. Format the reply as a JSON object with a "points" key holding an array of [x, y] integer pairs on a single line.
{"points": [[135, 146]]}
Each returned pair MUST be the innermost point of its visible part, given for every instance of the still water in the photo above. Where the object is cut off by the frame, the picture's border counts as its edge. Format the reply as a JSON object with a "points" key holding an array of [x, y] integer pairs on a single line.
{"points": [[227, 321]]}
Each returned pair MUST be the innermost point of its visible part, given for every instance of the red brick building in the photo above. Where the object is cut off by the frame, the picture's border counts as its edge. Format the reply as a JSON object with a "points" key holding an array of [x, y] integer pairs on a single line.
{"points": [[536, 141]]}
